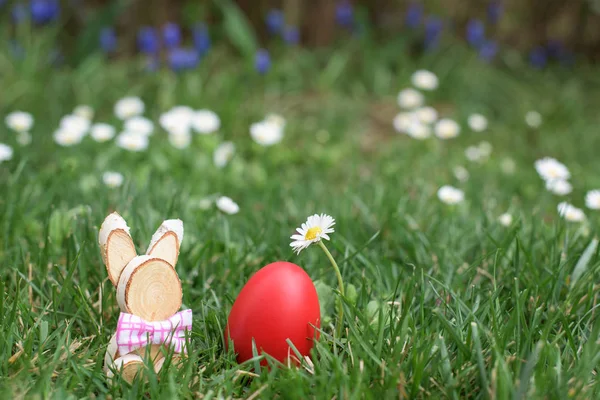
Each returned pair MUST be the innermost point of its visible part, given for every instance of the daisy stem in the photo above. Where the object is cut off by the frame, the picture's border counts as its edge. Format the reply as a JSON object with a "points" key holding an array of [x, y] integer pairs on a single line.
{"points": [[341, 285]]}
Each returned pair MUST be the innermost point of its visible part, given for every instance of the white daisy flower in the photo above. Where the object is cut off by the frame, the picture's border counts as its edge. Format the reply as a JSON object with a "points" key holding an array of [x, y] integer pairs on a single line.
{"points": [[473, 153], [180, 140], [6, 152], [112, 179], [450, 195], [177, 120], [68, 137], [477, 122], [140, 125], [427, 115], [402, 121], [570, 212], [132, 141], [533, 119], [227, 205], [592, 199], [550, 169], [461, 173], [485, 149], [102, 132], [24, 138], [84, 111], [19, 121], [505, 219], [559, 187], [205, 122], [447, 128], [418, 131], [266, 133], [315, 228], [75, 123], [410, 99], [424, 80], [223, 154], [129, 107]]}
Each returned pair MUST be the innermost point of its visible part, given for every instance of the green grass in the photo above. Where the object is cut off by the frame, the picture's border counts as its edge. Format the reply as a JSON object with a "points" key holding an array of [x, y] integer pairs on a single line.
{"points": [[479, 310]]}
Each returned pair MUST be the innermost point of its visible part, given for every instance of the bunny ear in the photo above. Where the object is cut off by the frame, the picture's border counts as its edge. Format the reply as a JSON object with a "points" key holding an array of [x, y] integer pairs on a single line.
{"points": [[116, 245], [166, 241]]}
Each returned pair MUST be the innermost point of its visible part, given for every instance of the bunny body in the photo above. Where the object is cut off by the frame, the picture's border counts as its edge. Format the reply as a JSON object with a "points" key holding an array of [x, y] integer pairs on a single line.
{"points": [[147, 287]]}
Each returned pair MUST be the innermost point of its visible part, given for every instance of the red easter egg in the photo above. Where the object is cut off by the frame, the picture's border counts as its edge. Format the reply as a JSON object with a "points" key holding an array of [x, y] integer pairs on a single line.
{"points": [[279, 302]]}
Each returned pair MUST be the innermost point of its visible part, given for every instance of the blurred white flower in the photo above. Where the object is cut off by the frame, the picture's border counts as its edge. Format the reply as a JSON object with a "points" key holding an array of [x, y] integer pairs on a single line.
{"points": [[68, 137], [205, 203], [461, 173], [570, 212], [180, 140], [533, 119], [592, 199], [19, 121], [132, 141], [450, 195], [84, 111], [205, 122], [227, 205], [223, 154], [508, 166], [315, 228], [102, 132], [485, 149], [559, 187], [266, 133], [24, 138], [129, 107], [424, 80], [447, 128], [76, 124], [178, 120], [505, 219], [419, 131], [6, 152], [402, 121], [427, 115], [140, 125], [477, 122], [550, 169], [112, 179], [410, 99], [276, 119], [473, 153]]}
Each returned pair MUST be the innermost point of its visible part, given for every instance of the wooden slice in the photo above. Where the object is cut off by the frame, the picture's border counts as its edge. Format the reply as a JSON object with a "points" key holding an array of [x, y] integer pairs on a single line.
{"points": [[129, 366], [149, 288], [116, 245], [166, 241]]}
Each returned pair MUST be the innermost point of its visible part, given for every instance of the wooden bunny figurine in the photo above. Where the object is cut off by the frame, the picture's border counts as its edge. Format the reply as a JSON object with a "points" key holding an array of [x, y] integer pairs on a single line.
{"points": [[149, 296]]}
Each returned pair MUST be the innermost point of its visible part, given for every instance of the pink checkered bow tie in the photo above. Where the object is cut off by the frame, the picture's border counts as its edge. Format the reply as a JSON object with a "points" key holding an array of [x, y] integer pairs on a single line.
{"points": [[133, 332]]}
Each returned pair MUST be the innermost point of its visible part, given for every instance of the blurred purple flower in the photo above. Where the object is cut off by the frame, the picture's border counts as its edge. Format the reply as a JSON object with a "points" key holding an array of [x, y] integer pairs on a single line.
{"points": [[108, 39], [171, 34], [291, 35], [274, 21], [152, 63], [201, 38], [344, 14], [44, 11], [262, 61], [475, 33], [433, 30], [3, 3], [19, 13], [488, 50], [414, 14], [494, 11], [147, 40], [181, 59], [555, 49], [538, 57]]}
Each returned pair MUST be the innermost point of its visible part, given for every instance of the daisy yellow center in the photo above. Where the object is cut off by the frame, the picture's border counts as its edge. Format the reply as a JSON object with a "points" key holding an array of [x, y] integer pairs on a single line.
{"points": [[312, 233]]}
